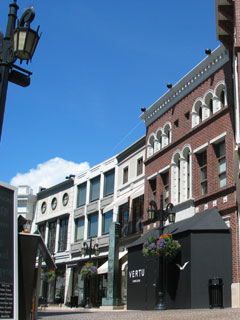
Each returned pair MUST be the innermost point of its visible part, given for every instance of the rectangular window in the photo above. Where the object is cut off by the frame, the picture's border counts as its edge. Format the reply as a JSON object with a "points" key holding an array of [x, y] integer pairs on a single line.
{"points": [[42, 230], [165, 182], [202, 161], [139, 166], [79, 231], [51, 236], [94, 189], [63, 233], [125, 175], [137, 214], [221, 156], [153, 186], [107, 221], [109, 182], [81, 196], [93, 225], [123, 218]]}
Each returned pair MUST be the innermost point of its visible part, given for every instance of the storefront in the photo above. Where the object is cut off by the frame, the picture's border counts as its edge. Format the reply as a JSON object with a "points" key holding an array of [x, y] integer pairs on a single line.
{"points": [[205, 254]]}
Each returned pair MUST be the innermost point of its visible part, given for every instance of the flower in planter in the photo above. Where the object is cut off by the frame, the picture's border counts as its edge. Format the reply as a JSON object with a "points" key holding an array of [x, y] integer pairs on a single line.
{"points": [[88, 270], [48, 275], [164, 246]]}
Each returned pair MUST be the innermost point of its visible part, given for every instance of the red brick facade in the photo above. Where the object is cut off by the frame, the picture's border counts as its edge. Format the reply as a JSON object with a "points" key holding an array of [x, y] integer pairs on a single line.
{"points": [[219, 123]]}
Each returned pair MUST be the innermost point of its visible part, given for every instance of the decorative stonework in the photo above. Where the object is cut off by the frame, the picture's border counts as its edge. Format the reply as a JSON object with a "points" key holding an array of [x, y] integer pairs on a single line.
{"points": [[188, 83]]}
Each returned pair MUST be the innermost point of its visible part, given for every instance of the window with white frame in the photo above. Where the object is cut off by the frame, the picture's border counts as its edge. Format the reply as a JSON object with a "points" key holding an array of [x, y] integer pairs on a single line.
{"points": [[81, 194], [139, 166], [125, 175], [181, 176], [79, 230], [167, 138], [51, 236], [212, 102], [150, 146], [109, 183], [93, 225], [202, 162], [220, 150], [107, 221], [63, 233], [94, 189], [159, 141]]}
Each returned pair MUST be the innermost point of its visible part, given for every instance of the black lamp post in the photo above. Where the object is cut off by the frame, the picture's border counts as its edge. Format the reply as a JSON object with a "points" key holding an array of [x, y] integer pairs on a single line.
{"points": [[162, 216], [89, 250], [19, 43]]}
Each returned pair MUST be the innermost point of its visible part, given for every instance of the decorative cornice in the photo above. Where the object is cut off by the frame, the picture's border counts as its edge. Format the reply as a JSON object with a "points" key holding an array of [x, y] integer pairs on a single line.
{"points": [[188, 83]]}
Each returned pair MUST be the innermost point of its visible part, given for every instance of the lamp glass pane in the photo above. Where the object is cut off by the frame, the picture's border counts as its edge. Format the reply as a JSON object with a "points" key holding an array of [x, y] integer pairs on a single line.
{"points": [[171, 217]]}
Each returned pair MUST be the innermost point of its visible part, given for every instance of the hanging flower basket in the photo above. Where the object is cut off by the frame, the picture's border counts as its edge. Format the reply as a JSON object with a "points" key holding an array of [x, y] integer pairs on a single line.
{"points": [[48, 276], [88, 270], [164, 246]]}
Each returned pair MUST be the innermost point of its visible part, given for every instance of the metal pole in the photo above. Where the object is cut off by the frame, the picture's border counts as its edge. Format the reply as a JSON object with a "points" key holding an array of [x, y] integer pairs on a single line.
{"points": [[161, 271], [89, 251], [7, 59]]}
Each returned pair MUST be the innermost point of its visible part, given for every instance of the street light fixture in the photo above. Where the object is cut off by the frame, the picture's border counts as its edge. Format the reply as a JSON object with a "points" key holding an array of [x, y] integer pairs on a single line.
{"points": [[18, 43], [162, 215], [89, 250]]}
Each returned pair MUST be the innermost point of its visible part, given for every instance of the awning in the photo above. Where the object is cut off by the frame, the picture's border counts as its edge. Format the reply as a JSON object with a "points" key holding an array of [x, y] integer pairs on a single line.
{"points": [[104, 267], [134, 193]]}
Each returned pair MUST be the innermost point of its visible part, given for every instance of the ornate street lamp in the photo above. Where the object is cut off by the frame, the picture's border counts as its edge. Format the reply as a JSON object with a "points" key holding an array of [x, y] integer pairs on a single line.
{"points": [[162, 215], [18, 43], [89, 250]]}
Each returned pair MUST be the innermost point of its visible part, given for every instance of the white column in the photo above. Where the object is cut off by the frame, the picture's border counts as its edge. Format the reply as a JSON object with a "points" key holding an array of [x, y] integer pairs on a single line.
{"points": [[68, 285], [157, 145], [57, 235], [195, 119], [174, 183], [165, 141], [46, 233], [216, 104], [183, 179], [205, 112]]}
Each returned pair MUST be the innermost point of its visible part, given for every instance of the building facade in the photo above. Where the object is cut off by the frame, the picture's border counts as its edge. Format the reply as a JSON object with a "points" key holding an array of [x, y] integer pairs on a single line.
{"points": [[26, 202], [53, 221], [94, 190], [190, 147]]}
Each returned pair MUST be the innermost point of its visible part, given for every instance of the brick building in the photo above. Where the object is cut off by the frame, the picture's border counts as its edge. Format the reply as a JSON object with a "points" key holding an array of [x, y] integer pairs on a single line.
{"points": [[192, 138]]}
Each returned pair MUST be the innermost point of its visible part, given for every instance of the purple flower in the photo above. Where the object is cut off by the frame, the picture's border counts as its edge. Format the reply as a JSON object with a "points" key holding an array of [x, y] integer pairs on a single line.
{"points": [[160, 243], [152, 245]]}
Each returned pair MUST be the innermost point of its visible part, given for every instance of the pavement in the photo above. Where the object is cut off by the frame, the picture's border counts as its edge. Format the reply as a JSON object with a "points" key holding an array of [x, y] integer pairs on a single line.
{"points": [[99, 314]]}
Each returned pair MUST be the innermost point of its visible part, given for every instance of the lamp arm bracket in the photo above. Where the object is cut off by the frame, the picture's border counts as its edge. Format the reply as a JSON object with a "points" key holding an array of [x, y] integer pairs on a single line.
{"points": [[169, 206], [27, 17]]}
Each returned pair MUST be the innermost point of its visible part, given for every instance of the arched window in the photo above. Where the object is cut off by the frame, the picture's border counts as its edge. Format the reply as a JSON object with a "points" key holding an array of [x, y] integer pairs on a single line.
{"points": [[197, 113], [150, 146], [181, 176], [159, 140], [208, 109], [220, 96], [167, 131]]}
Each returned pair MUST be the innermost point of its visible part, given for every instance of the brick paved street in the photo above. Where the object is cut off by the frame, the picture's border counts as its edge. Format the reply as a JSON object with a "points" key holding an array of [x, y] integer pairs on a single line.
{"points": [[203, 314]]}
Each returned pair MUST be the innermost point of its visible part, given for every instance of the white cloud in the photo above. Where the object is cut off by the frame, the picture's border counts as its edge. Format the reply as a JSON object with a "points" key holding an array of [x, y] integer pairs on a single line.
{"points": [[49, 173]]}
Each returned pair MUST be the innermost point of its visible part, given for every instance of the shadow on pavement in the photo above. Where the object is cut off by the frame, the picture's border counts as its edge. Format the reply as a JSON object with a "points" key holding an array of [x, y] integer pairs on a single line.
{"points": [[44, 314]]}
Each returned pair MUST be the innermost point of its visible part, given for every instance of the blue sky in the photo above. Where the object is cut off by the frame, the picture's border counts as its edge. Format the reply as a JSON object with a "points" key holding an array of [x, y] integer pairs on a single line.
{"points": [[96, 64]]}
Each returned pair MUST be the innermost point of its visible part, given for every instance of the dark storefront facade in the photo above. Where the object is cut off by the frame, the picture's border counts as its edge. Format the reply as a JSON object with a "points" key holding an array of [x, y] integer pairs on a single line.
{"points": [[205, 254]]}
